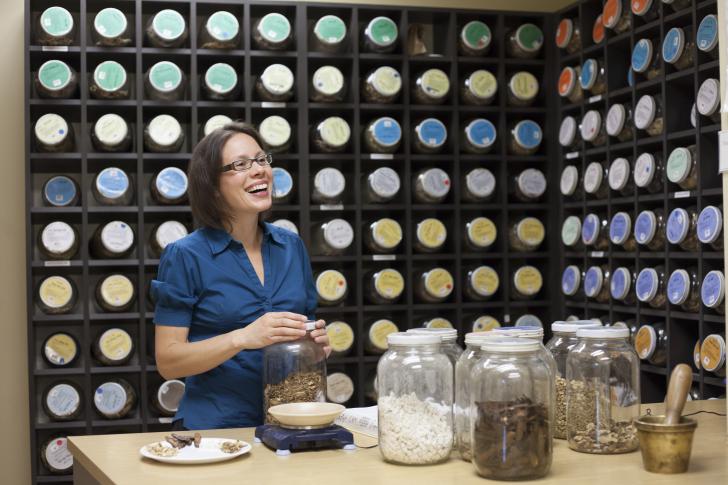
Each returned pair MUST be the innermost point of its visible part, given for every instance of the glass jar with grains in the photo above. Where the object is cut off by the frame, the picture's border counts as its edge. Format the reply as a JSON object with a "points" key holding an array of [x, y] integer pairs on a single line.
{"points": [[381, 85], [567, 133], [616, 15], [596, 283], [431, 186], [649, 116], [708, 102], [710, 226], [430, 235], [525, 42], [272, 32], [712, 293], [55, 79], [53, 134], [331, 135], [431, 87], [479, 88], [480, 234], [384, 286], [620, 176], [646, 59], [598, 30], [529, 185], [707, 38], [682, 228], [596, 180], [329, 34], [478, 185], [595, 232], [651, 343], [526, 234], [620, 232], [481, 283], [327, 85], [382, 185], [430, 136], [221, 30], [648, 172], [475, 39], [525, 137], [678, 49], [167, 28], [622, 284], [683, 289], [620, 123], [593, 129], [568, 36], [522, 89], [331, 287], [647, 10], [712, 354], [333, 237], [571, 232], [328, 186], [527, 282], [593, 76], [383, 236], [571, 281], [569, 183], [569, 86], [479, 136], [275, 83], [434, 285], [55, 26], [380, 35], [383, 135], [682, 167], [651, 285], [649, 229]]}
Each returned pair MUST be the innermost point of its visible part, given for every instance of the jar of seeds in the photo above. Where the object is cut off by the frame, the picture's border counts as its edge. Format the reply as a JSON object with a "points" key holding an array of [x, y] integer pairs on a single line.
{"points": [[647, 10], [328, 186], [678, 49], [712, 354], [646, 59], [55, 79], [431, 186], [384, 286], [593, 129], [53, 134], [383, 236], [331, 135], [434, 285], [598, 30], [683, 289], [710, 226], [620, 176], [55, 26], [331, 287], [109, 81], [165, 81], [651, 285], [682, 229], [276, 134], [620, 123], [596, 283], [529, 185], [648, 172], [620, 232], [333, 237], [430, 235], [622, 285], [649, 229], [167, 28], [527, 282], [481, 283]]}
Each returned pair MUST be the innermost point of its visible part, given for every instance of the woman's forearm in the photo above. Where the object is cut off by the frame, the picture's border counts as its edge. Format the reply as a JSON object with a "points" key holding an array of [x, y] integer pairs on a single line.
{"points": [[177, 359]]}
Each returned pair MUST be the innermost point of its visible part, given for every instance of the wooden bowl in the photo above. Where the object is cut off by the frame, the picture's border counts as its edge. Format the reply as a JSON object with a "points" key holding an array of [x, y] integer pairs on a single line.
{"points": [[306, 414]]}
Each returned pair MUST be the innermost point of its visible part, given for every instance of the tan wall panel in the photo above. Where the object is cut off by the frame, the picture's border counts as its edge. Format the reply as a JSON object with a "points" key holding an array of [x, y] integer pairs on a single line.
{"points": [[521, 5]]}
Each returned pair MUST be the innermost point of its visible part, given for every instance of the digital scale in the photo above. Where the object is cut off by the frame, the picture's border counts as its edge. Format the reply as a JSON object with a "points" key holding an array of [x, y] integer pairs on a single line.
{"points": [[286, 440]]}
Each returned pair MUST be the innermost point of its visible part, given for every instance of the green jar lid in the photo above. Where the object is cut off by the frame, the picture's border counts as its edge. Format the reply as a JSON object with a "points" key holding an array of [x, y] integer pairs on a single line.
{"points": [[529, 37], [165, 76], [274, 28], [222, 25], [382, 31], [110, 76], [54, 75], [679, 164], [221, 78], [168, 24], [476, 35], [330, 29], [110, 23], [56, 21]]}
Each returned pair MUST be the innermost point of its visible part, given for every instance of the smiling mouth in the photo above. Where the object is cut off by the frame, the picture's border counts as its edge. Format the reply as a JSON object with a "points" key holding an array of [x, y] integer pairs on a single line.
{"points": [[257, 189]]}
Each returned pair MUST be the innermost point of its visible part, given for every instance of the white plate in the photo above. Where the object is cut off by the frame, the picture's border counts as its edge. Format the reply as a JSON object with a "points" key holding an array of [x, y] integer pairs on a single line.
{"points": [[208, 452]]}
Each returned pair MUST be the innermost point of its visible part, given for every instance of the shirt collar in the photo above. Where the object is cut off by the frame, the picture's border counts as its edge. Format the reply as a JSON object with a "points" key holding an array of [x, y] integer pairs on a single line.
{"points": [[219, 239]]}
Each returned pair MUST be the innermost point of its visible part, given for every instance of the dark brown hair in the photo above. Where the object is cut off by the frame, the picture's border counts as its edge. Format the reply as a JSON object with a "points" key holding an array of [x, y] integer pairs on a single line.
{"points": [[209, 209]]}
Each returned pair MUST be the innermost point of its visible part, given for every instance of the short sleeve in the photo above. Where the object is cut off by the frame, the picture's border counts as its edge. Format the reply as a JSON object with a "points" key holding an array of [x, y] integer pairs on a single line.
{"points": [[174, 290], [311, 294]]}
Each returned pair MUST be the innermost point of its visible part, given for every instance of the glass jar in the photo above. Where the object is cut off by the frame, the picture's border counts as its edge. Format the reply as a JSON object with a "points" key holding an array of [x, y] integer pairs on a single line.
{"points": [[569, 183], [478, 185], [620, 232], [115, 398], [221, 30], [593, 129], [115, 293], [712, 292], [382, 185], [568, 36], [481, 283], [603, 392], [380, 35], [651, 343], [377, 333], [527, 283], [620, 123], [331, 287], [331, 135], [167, 28], [276, 134], [649, 229], [479, 88], [648, 172], [475, 39], [58, 241], [341, 338], [430, 235], [483, 323], [682, 167], [525, 42], [329, 33], [707, 38], [430, 136], [168, 396], [571, 281], [682, 228], [683, 289], [109, 81], [112, 240], [220, 82], [434, 285], [567, 133], [62, 401], [111, 133], [712, 354], [522, 89], [648, 115], [214, 122], [620, 179], [595, 232], [623, 282], [647, 10], [165, 234], [571, 232], [596, 180], [383, 135], [696, 355], [431, 186], [710, 226], [437, 322], [598, 30], [526, 234], [60, 191], [168, 186], [113, 347], [616, 16], [479, 136], [52, 134], [286, 224], [593, 77], [339, 388], [529, 185], [272, 32], [328, 186], [448, 341], [650, 286], [431, 87], [511, 407], [60, 349], [708, 103], [383, 236], [525, 137], [293, 371], [678, 49], [55, 79], [333, 237], [381, 85], [56, 295], [55, 455], [569, 85], [384, 286], [646, 59], [55, 26], [480, 234], [163, 134], [275, 83], [596, 283], [415, 388]]}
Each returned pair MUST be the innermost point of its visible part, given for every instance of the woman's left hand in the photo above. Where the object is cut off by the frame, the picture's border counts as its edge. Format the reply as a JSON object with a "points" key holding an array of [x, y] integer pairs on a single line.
{"points": [[321, 337]]}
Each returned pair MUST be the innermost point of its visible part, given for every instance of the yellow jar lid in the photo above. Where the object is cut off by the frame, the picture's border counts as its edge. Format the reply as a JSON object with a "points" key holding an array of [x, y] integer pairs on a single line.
{"points": [[484, 281], [431, 233], [645, 342], [438, 322], [386, 81], [482, 84], [387, 233], [531, 231], [60, 349], [485, 323], [439, 282], [328, 80], [482, 232], [435, 83], [331, 285], [378, 333], [115, 344], [524, 85], [712, 353], [389, 283], [341, 336], [528, 280], [335, 131], [275, 131], [55, 292], [117, 290]]}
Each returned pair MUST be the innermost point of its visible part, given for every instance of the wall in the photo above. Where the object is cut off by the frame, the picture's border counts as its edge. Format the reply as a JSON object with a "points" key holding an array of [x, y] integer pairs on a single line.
{"points": [[521, 5]]}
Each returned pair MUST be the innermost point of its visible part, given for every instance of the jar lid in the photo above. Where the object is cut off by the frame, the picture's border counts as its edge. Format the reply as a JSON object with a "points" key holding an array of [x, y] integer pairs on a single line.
{"points": [[482, 84], [523, 85], [171, 182], [480, 133], [330, 30], [384, 182], [59, 191], [60, 349], [712, 292], [529, 321], [382, 31], [642, 55], [528, 280], [334, 131], [567, 81], [112, 183], [616, 117], [678, 224], [482, 232], [57, 455], [169, 232], [696, 355], [645, 342], [591, 125], [387, 233], [644, 170], [647, 285], [532, 183], [620, 228], [338, 233], [598, 32], [570, 230], [590, 229], [431, 233], [444, 334], [282, 182], [386, 81], [619, 174], [621, 283], [435, 182], [412, 339], [331, 285], [510, 346], [480, 182], [218, 121], [438, 322], [572, 327], [645, 227], [478, 338], [277, 79], [712, 352], [708, 33], [165, 76], [111, 129], [529, 332], [386, 131], [589, 73], [168, 24], [389, 283], [435, 83], [110, 76], [58, 237], [56, 292], [341, 336], [339, 387], [484, 281], [530, 231], [164, 130], [708, 97], [51, 129], [567, 131], [673, 45], [274, 28], [679, 164], [115, 344], [710, 224], [612, 13], [275, 131], [431, 132], [286, 224], [439, 282], [569, 180], [645, 112], [110, 398], [222, 26], [116, 290], [329, 182], [630, 77], [641, 7], [117, 237], [476, 35], [602, 332], [678, 287], [593, 281], [529, 37], [328, 80], [528, 134], [56, 21], [484, 323], [62, 400], [221, 78], [694, 116], [570, 280], [593, 177], [170, 394], [54, 75], [564, 33]]}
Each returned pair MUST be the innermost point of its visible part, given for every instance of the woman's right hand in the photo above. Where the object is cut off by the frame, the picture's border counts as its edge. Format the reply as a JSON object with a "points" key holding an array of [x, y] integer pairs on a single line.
{"points": [[269, 329]]}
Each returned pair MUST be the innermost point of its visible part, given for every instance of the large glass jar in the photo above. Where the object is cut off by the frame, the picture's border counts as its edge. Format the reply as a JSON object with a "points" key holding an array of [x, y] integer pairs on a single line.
{"points": [[571, 232], [525, 137], [678, 49], [616, 15], [707, 38], [647, 10], [682, 167], [448, 341], [111, 28], [481, 283], [329, 34], [567, 133], [434, 285], [475, 38], [568, 36], [682, 229], [651, 343], [593, 76], [382, 135], [382, 185], [593, 129], [331, 135], [415, 387], [55, 26], [479, 88], [646, 59], [708, 102], [649, 229], [710, 227], [620, 231], [511, 407], [622, 285], [569, 183], [329, 185], [167, 28], [293, 371], [569, 86], [522, 89], [620, 123], [595, 232], [620, 176], [480, 234], [648, 170], [479, 136], [524, 42], [275, 83], [650, 286], [596, 283], [649, 116], [221, 30], [571, 281], [55, 79], [603, 392], [596, 180], [683, 289], [430, 136], [712, 292]]}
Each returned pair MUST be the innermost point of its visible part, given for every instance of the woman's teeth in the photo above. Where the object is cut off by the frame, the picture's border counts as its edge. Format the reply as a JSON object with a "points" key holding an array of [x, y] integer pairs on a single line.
{"points": [[257, 188]]}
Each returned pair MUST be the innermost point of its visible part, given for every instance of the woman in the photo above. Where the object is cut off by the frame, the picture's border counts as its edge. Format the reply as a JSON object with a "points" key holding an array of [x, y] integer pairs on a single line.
{"points": [[231, 288]]}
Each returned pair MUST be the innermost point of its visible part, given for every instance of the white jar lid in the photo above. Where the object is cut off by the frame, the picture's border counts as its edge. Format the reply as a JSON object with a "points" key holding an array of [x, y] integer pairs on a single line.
{"points": [[532, 183], [275, 131], [645, 112], [328, 80], [164, 130], [329, 182], [170, 394], [616, 117], [169, 232], [63, 400], [602, 332], [286, 224], [514, 345], [338, 233], [593, 177], [569, 180], [277, 79], [574, 326], [619, 173], [435, 182], [384, 182], [567, 131], [444, 334], [708, 97], [110, 398], [51, 129], [411, 338], [111, 129], [644, 170], [58, 237], [117, 237], [480, 182], [591, 124]]}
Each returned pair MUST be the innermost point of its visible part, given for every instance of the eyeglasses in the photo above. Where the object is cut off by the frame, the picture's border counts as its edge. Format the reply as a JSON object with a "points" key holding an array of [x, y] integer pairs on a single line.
{"points": [[245, 163]]}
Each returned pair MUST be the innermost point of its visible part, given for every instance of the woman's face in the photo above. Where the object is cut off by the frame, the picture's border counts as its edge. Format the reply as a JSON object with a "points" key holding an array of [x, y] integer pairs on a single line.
{"points": [[248, 191]]}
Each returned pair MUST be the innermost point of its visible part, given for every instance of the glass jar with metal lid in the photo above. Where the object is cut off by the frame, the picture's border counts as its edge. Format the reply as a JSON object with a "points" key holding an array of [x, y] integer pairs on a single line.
{"points": [[593, 76], [431, 186], [525, 137], [569, 86], [571, 281], [333, 237], [328, 186], [694, 116], [479, 136], [383, 236], [448, 341], [431, 235], [597, 283], [52, 133], [55, 26], [479, 88], [163, 134], [115, 293], [682, 167], [114, 239], [220, 82], [484, 323], [213, 123], [475, 39], [332, 287], [60, 191], [286, 224], [647, 10], [527, 282], [276, 134], [593, 129], [651, 343], [415, 396], [381, 85], [111, 133], [649, 229], [569, 183], [167, 28], [522, 89], [221, 30], [62, 401], [282, 186], [431, 87], [481, 283], [109, 81], [707, 37], [275, 83], [56, 295], [382, 185], [678, 49], [168, 396], [682, 228], [55, 455], [60, 349], [529, 185], [327, 85], [480, 234], [650, 286], [341, 338], [525, 42], [58, 240], [272, 32], [595, 180], [683, 289], [526, 234], [598, 30], [380, 35], [434, 285], [708, 102], [331, 135], [712, 354], [620, 179], [384, 286], [620, 232], [430, 136], [696, 355], [622, 285], [329, 34], [478, 185], [595, 232], [710, 226], [571, 232], [620, 123], [616, 15], [648, 115], [115, 398], [712, 292], [529, 320], [165, 234], [648, 172], [437, 322], [568, 36], [339, 388], [55, 79], [376, 342], [383, 135], [113, 347], [646, 59], [169, 186], [567, 133]]}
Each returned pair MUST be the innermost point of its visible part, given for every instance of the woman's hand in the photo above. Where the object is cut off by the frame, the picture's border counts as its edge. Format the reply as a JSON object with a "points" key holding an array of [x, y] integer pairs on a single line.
{"points": [[269, 329], [321, 337]]}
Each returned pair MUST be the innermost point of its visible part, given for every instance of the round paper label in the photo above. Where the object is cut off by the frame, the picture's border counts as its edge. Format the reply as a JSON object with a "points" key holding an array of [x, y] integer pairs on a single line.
{"points": [[482, 84], [481, 133], [611, 13], [341, 336], [710, 224], [619, 174], [330, 29], [110, 23], [620, 228], [169, 232], [677, 226], [382, 31], [387, 233], [331, 285], [282, 183], [593, 281], [621, 283], [616, 116], [673, 45], [528, 280], [164, 130], [110, 398], [387, 81], [567, 81], [708, 97], [329, 182], [431, 133], [338, 233], [63, 400], [567, 131], [274, 28], [593, 177], [435, 83], [171, 182], [54, 75], [378, 333], [482, 232], [436, 183], [51, 129], [529, 37], [569, 180], [524, 85], [328, 80], [117, 290], [645, 227], [679, 164], [646, 286], [275, 131], [117, 237], [707, 37], [387, 131], [532, 183], [286, 224], [57, 455], [485, 323], [644, 170], [528, 134], [476, 35], [56, 21], [590, 229], [484, 281], [168, 24], [431, 233], [55, 291], [642, 55], [570, 231], [389, 283], [218, 121], [589, 73], [112, 183], [570, 280], [384, 182], [678, 287], [221, 78], [110, 76], [531, 231], [598, 32], [645, 112], [480, 182], [439, 282], [60, 349], [335, 131], [564, 33], [712, 292], [277, 79], [222, 26], [58, 237], [59, 191], [111, 129]]}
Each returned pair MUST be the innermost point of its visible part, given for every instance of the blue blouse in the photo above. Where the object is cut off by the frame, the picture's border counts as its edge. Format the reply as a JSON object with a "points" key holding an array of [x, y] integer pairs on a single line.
{"points": [[207, 284]]}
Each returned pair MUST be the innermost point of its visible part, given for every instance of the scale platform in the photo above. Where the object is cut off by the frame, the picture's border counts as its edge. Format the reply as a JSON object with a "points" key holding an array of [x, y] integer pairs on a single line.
{"points": [[285, 440]]}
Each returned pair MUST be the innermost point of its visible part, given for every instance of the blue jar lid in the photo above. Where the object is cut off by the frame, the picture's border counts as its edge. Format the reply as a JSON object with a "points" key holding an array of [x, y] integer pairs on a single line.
{"points": [[642, 55], [673, 45], [171, 182], [528, 134], [647, 283], [620, 228], [593, 281], [481, 133], [678, 287], [707, 37], [387, 131], [432, 132], [570, 280], [713, 289], [112, 183], [621, 283], [645, 227], [710, 223], [677, 225], [282, 182], [590, 229], [630, 77], [588, 73], [60, 191]]}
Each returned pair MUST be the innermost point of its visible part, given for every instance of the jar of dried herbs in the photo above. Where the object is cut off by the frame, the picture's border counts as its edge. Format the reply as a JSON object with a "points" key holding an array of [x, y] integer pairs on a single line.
{"points": [[712, 293], [682, 228], [525, 42], [651, 286], [623, 282], [620, 176], [651, 343], [678, 49], [620, 123], [649, 116], [710, 227], [596, 283], [683, 289], [595, 232], [570, 232], [475, 38], [616, 15], [682, 167], [593, 76], [272, 32], [707, 38], [567, 132], [596, 180], [648, 172], [620, 231], [571, 281], [382, 85], [647, 10], [569, 183], [649, 229], [708, 102], [568, 36], [645, 59], [569, 86], [479, 88]]}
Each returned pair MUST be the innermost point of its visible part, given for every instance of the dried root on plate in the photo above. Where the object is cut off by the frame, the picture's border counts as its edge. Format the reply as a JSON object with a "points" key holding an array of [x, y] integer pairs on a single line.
{"points": [[231, 446], [158, 449]]}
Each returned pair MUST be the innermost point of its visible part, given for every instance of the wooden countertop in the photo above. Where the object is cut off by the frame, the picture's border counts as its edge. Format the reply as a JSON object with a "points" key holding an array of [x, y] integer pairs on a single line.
{"points": [[115, 459]]}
